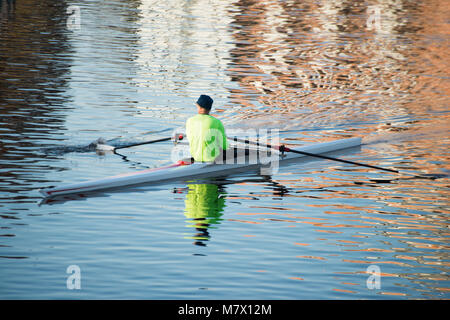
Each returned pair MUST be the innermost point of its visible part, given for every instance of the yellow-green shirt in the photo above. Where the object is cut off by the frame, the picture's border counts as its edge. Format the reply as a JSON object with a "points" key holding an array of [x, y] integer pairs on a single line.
{"points": [[206, 136]]}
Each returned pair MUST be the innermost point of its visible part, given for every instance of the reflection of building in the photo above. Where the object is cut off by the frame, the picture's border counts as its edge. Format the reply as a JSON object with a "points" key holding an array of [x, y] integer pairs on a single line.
{"points": [[183, 48], [7, 9], [33, 84], [204, 207], [318, 62]]}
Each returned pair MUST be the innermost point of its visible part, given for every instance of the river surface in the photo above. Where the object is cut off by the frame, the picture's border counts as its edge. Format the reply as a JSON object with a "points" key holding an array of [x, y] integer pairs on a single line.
{"points": [[316, 70]]}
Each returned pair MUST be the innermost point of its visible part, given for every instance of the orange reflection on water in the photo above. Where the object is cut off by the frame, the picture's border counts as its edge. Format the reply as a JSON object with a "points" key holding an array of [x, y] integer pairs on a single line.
{"points": [[328, 231], [378, 262], [314, 65], [370, 250], [393, 294], [312, 257], [343, 290], [244, 221], [296, 278]]}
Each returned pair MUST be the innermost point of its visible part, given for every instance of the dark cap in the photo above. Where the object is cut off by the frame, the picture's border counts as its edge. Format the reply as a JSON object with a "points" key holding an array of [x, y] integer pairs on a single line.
{"points": [[205, 102]]}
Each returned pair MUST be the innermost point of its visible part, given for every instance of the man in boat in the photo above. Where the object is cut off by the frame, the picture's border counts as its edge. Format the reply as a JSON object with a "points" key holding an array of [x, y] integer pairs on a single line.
{"points": [[206, 134]]}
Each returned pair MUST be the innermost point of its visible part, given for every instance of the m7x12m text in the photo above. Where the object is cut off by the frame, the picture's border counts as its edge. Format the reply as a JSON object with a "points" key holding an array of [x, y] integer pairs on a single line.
{"points": [[246, 309]]}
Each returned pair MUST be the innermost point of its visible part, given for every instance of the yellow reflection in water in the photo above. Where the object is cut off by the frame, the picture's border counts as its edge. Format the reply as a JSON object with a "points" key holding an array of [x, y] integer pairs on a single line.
{"points": [[204, 206]]}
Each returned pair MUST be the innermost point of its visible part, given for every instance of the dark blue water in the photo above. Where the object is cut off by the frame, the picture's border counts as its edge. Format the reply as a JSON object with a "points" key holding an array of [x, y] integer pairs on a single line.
{"points": [[130, 71]]}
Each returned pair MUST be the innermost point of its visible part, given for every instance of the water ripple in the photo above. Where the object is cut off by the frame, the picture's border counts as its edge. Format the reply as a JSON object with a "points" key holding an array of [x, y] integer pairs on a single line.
{"points": [[315, 70]]}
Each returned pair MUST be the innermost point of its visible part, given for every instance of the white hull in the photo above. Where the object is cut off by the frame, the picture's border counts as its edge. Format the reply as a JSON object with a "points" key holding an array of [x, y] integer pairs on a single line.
{"points": [[177, 172]]}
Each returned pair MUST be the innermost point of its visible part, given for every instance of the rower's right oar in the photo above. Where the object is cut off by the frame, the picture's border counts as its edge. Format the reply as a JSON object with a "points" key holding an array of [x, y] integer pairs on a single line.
{"points": [[283, 148], [105, 147]]}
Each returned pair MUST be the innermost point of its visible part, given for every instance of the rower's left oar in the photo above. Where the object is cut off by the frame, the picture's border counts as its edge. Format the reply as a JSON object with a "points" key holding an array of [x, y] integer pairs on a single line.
{"points": [[283, 148], [105, 147]]}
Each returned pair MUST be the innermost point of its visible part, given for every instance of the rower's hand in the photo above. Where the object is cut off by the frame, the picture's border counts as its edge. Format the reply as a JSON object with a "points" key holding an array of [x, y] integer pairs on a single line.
{"points": [[177, 137]]}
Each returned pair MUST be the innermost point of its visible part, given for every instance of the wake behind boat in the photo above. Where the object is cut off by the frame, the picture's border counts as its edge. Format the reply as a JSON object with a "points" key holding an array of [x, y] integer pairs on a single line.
{"points": [[185, 170]]}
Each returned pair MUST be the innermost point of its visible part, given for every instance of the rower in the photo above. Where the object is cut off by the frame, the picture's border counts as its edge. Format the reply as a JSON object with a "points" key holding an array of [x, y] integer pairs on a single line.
{"points": [[206, 134]]}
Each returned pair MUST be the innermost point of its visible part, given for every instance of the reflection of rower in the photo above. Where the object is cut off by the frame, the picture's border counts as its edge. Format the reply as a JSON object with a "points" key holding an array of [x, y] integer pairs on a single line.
{"points": [[204, 207]]}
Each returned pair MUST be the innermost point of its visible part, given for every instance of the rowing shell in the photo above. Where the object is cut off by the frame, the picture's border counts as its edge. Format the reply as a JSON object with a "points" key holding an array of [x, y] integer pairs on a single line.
{"points": [[182, 170]]}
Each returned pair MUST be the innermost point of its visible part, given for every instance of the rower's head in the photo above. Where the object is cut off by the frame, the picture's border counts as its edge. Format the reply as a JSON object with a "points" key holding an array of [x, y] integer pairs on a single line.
{"points": [[204, 104]]}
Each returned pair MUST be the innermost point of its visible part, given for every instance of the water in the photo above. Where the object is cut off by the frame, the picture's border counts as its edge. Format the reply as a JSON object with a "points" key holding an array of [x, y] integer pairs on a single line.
{"points": [[316, 70]]}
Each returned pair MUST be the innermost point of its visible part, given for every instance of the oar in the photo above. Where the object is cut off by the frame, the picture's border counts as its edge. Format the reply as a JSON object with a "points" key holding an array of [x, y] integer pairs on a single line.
{"points": [[283, 148], [105, 147]]}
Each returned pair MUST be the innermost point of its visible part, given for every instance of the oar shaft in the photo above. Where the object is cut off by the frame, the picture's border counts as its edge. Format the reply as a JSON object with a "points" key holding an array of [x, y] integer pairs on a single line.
{"points": [[340, 160], [283, 148], [142, 143]]}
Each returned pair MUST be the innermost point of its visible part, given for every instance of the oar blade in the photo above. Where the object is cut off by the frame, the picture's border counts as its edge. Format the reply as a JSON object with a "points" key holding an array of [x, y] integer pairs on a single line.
{"points": [[104, 147]]}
